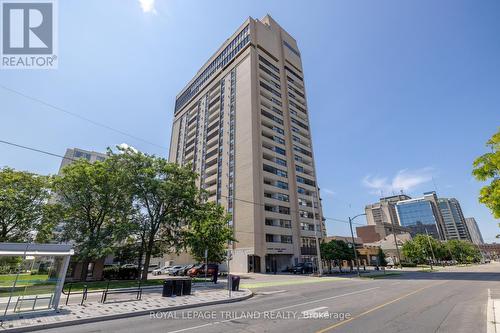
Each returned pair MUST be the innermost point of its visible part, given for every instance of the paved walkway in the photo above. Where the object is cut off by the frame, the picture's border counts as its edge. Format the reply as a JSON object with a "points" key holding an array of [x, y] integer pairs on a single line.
{"points": [[119, 308], [493, 311]]}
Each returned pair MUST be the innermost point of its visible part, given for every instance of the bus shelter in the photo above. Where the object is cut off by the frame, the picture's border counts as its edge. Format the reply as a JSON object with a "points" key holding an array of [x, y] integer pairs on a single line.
{"points": [[32, 276]]}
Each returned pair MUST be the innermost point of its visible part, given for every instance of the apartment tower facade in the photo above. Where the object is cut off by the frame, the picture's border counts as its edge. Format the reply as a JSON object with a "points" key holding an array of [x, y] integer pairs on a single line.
{"points": [[242, 123], [474, 231], [455, 226]]}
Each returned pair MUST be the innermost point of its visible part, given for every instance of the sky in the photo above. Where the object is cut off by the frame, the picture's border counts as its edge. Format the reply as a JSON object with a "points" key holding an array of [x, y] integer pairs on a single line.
{"points": [[402, 95]]}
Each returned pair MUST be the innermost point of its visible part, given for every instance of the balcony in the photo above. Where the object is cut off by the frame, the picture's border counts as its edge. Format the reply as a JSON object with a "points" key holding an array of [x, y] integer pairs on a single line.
{"points": [[308, 250]]}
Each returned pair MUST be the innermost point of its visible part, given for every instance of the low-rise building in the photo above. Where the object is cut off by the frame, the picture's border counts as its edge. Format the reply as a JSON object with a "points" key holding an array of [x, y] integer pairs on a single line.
{"points": [[388, 245], [490, 251]]}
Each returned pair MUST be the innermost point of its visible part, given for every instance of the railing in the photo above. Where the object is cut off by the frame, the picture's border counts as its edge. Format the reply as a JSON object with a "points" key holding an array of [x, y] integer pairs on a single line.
{"points": [[84, 293]]}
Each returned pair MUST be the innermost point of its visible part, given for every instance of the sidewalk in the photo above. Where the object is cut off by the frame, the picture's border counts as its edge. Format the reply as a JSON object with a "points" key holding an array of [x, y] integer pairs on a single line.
{"points": [[118, 308], [493, 311]]}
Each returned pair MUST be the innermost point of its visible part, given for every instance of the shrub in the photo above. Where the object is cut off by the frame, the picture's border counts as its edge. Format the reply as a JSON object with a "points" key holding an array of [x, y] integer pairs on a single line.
{"points": [[120, 273], [408, 264], [110, 272]]}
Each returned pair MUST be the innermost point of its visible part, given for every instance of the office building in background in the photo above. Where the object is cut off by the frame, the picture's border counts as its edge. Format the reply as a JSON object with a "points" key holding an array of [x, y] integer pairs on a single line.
{"points": [[453, 219], [382, 219], [242, 122], [422, 215], [474, 232], [73, 154]]}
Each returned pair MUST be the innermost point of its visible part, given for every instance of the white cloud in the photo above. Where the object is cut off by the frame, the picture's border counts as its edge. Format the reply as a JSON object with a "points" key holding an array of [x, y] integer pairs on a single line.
{"points": [[328, 191], [405, 180], [148, 6]]}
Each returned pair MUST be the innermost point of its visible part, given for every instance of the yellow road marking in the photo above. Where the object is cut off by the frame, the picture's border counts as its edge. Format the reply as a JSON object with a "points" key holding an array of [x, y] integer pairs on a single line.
{"points": [[375, 309]]}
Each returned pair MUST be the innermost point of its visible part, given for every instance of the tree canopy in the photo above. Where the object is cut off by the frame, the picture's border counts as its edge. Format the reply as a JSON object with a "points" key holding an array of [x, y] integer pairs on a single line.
{"points": [[209, 230], [336, 250], [164, 199], [487, 169], [420, 249], [96, 207], [24, 205]]}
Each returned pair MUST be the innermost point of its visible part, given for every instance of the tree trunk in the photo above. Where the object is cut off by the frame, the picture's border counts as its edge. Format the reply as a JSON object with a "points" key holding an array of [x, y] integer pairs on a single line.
{"points": [[146, 265], [139, 260], [147, 259], [85, 270]]}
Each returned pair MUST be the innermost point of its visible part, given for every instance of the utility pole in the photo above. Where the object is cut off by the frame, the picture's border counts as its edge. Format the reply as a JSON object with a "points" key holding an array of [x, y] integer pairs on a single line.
{"points": [[430, 244], [354, 244], [318, 252], [397, 246]]}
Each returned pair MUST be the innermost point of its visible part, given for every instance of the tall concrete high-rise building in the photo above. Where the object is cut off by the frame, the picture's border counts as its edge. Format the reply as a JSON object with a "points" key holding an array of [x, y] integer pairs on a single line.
{"points": [[384, 211], [382, 219], [474, 232], [242, 122], [453, 219], [73, 154]]}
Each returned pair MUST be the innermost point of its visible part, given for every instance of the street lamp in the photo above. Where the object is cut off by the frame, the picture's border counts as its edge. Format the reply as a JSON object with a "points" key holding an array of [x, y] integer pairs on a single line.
{"points": [[353, 243]]}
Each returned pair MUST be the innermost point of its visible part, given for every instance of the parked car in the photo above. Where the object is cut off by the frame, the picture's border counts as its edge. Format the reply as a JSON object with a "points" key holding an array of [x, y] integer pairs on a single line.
{"points": [[199, 270], [184, 270], [173, 270], [160, 271], [302, 268], [129, 266], [151, 268]]}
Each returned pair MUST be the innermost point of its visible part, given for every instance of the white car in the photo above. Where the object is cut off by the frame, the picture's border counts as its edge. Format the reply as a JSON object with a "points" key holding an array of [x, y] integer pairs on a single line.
{"points": [[163, 270], [173, 269]]}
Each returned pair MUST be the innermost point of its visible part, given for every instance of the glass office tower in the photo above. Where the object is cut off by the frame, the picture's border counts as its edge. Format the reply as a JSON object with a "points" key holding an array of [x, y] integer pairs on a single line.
{"points": [[421, 215]]}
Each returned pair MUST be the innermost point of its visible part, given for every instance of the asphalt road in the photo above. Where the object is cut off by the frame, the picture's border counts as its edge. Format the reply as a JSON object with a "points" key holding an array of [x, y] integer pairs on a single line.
{"points": [[447, 301]]}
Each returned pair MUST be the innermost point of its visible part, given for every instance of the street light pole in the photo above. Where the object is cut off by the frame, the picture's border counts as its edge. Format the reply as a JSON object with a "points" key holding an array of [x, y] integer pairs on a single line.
{"points": [[354, 244]]}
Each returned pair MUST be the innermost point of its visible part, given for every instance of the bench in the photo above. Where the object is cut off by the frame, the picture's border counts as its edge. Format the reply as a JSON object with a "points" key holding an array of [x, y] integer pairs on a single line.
{"points": [[107, 291]]}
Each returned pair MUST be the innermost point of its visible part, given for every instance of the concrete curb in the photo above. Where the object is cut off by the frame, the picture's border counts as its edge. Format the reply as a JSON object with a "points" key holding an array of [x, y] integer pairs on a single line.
{"points": [[122, 315], [490, 315]]}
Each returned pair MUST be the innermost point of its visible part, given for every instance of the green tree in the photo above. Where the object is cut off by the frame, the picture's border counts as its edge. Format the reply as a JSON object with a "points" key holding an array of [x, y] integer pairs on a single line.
{"points": [[97, 208], [24, 207], [209, 230], [53, 214], [421, 248], [463, 252], [336, 250], [487, 169], [413, 252], [381, 257], [165, 197]]}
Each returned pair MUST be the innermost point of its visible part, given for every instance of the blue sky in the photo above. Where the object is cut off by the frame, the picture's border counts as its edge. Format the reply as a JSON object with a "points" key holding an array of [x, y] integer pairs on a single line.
{"points": [[402, 94]]}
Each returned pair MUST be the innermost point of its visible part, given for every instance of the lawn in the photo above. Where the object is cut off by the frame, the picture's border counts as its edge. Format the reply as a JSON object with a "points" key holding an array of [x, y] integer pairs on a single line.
{"points": [[27, 284], [7, 280]]}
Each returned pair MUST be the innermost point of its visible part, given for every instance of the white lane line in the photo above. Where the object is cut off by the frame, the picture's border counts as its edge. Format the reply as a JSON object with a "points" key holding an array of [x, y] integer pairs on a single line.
{"points": [[271, 292], [314, 310], [278, 309]]}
